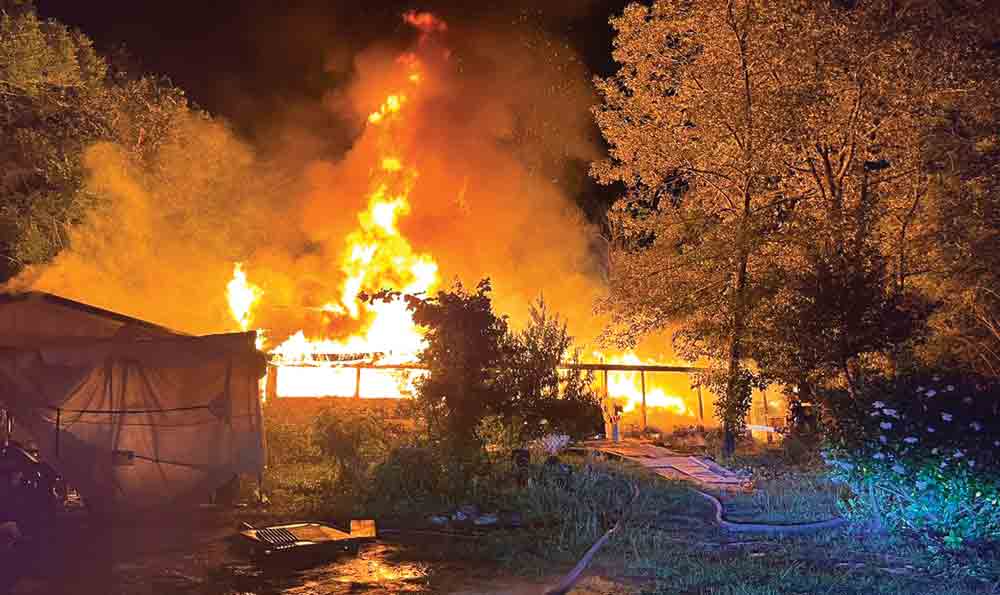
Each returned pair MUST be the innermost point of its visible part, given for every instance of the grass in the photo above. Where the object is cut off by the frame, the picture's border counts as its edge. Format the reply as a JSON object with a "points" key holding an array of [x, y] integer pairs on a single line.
{"points": [[668, 546], [786, 500]]}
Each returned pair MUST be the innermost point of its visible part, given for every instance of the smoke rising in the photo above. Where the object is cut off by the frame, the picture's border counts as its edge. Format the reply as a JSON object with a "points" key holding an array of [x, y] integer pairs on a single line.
{"points": [[499, 131]]}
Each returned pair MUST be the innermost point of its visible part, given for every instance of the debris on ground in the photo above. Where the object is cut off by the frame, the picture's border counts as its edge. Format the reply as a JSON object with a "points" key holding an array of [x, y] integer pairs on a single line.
{"points": [[469, 515]]}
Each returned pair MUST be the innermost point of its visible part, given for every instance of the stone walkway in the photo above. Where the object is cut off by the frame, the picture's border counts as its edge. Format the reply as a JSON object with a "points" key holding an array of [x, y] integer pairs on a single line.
{"points": [[671, 465]]}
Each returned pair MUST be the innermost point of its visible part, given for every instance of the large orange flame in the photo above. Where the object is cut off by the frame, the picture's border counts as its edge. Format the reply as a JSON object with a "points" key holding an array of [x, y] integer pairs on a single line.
{"points": [[376, 256]]}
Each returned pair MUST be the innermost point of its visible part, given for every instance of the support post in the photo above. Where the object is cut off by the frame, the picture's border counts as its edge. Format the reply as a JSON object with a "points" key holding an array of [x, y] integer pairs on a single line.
{"points": [[701, 409], [642, 379], [357, 383], [763, 395], [271, 384]]}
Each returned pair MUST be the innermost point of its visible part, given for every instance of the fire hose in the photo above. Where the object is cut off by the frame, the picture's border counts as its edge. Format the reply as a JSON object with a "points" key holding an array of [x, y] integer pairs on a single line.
{"points": [[768, 528], [573, 576]]}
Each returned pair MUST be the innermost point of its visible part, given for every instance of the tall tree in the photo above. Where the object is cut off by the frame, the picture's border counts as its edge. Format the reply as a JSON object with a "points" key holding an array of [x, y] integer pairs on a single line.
{"points": [[759, 139], [58, 97], [695, 136]]}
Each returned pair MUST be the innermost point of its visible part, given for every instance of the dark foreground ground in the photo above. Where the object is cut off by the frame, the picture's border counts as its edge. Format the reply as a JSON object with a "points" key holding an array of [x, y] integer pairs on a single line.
{"points": [[195, 554]]}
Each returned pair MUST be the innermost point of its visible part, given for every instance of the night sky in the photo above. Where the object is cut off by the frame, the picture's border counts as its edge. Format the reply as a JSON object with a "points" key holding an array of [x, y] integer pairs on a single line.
{"points": [[249, 59]]}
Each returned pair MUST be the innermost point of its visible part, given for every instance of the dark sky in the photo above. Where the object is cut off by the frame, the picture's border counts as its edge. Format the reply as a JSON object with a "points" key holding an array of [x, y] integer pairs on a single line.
{"points": [[246, 58]]}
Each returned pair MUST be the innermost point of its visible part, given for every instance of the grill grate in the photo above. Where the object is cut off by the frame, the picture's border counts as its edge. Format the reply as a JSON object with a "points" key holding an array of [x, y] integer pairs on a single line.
{"points": [[277, 537]]}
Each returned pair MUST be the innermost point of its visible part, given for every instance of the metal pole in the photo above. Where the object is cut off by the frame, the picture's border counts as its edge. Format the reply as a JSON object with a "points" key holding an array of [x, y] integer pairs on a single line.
{"points": [[701, 409], [357, 383], [642, 378]]}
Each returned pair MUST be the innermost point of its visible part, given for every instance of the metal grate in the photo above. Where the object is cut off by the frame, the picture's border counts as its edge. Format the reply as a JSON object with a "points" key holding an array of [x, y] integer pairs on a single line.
{"points": [[276, 537]]}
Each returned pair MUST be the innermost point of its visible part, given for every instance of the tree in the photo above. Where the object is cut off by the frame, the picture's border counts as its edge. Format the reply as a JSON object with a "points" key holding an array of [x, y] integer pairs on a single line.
{"points": [[691, 118], [757, 140], [539, 395], [58, 97], [465, 348]]}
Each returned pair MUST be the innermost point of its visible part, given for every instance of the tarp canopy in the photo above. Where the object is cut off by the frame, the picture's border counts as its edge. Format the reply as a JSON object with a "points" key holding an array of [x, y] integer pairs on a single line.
{"points": [[134, 415]]}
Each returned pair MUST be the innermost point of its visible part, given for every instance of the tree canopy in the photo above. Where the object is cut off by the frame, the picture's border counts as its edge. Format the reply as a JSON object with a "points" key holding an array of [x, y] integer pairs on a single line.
{"points": [[58, 97], [782, 163]]}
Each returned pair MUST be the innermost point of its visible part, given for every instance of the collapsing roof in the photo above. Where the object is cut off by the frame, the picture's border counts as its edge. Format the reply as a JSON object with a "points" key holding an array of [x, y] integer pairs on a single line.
{"points": [[135, 415]]}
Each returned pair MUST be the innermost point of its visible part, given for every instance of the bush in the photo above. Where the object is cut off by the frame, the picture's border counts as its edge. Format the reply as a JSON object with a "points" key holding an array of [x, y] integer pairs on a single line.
{"points": [[919, 454], [357, 439]]}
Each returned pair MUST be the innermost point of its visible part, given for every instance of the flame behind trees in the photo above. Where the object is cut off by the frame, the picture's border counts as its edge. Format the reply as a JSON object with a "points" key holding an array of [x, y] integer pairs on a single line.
{"points": [[761, 145]]}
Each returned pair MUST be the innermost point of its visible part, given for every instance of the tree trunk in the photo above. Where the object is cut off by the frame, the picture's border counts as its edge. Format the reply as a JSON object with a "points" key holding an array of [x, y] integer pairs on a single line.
{"points": [[735, 357]]}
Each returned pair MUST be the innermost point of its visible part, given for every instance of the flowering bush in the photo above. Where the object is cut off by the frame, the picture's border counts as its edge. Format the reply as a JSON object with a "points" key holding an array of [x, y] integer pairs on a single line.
{"points": [[920, 455]]}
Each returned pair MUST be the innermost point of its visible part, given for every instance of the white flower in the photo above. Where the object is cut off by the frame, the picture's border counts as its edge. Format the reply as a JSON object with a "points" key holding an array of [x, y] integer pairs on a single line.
{"points": [[890, 412], [874, 414], [898, 468], [878, 456], [958, 454], [878, 404], [944, 464], [936, 378], [910, 440], [885, 425], [972, 463], [931, 429], [931, 392], [950, 387], [934, 451], [882, 439], [946, 416], [967, 400], [920, 389], [996, 443], [976, 426]]}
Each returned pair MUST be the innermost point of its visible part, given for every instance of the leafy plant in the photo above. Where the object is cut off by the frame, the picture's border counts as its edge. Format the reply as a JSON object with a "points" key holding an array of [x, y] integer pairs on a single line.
{"points": [[920, 455]]}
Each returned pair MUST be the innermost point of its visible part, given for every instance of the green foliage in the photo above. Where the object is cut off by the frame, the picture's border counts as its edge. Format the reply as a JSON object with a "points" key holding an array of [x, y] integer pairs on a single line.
{"points": [[542, 398], [480, 369], [792, 205], [288, 442], [58, 98], [921, 454], [356, 439], [465, 348], [833, 315]]}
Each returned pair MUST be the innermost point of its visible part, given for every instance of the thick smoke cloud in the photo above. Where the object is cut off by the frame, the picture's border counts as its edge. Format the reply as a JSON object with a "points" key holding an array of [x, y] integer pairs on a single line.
{"points": [[499, 131]]}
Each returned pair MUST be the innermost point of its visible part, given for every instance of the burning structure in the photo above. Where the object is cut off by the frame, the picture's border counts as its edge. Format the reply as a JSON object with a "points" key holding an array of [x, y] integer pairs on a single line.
{"points": [[450, 175]]}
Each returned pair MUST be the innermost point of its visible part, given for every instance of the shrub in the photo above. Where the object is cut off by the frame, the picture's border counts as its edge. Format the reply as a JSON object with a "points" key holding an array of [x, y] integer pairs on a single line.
{"points": [[357, 439], [288, 441], [919, 454]]}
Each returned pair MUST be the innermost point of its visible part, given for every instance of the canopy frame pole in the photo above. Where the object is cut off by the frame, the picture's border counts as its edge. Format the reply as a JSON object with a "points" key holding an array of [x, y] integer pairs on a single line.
{"points": [[701, 409], [642, 378]]}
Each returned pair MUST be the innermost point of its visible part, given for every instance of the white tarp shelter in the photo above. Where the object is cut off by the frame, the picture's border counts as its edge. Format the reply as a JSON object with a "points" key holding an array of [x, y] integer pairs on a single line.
{"points": [[134, 415]]}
